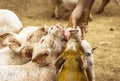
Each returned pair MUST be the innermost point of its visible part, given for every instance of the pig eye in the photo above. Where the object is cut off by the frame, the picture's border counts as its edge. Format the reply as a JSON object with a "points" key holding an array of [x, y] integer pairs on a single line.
{"points": [[87, 54], [42, 41], [51, 28]]}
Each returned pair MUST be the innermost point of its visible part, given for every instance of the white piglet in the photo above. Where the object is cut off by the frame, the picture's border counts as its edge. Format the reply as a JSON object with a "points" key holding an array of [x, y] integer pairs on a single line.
{"points": [[9, 22]]}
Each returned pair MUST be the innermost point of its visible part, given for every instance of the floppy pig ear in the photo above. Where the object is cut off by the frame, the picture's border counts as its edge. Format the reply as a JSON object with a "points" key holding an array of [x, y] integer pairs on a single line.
{"points": [[4, 36], [14, 45], [74, 31], [70, 31], [59, 63], [42, 59], [35, 36], [44, 29], [14, 41], [26, 51], [82, 62], [93, 49]]}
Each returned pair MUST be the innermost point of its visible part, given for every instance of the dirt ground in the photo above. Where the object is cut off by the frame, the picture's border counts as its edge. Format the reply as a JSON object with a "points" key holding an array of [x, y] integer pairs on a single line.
{"points": [[103, 34]]}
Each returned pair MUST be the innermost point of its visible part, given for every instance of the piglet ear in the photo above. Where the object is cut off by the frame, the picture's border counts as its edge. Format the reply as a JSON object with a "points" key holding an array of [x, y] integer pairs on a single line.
{"points": [[82, 62], [59, 63], [14, 41], [36, 36], [93, 49], [26, 51], [74, 31], [42, 59], [4, 36], [14, 45], [69, 31]]}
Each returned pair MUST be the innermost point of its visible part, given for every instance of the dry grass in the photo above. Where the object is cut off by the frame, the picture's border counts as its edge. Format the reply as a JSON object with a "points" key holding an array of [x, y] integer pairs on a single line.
{"points": [[104, 31]]}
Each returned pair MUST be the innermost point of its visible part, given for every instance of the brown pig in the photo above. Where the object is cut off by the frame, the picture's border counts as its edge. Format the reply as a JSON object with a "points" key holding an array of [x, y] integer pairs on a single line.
{"points": [[87, 55], [71, 62]]}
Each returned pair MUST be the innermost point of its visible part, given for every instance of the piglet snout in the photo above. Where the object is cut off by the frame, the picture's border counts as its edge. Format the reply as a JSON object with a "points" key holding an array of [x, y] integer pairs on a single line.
{"points": [[66, 34]]}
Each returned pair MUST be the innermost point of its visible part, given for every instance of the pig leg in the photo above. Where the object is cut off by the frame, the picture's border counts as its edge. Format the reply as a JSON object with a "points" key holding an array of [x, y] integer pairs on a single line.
{"points": [[56, 12], [56, 7], [118, 3], [53, 13], [102, 6]]}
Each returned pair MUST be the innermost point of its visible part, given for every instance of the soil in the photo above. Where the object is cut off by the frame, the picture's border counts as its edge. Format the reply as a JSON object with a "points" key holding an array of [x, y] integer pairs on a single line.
{"points": [[103, 34]]}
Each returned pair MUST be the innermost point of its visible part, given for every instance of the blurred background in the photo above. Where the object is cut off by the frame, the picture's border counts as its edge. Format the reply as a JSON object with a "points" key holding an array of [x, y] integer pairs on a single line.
{"points": [[103, 32]]}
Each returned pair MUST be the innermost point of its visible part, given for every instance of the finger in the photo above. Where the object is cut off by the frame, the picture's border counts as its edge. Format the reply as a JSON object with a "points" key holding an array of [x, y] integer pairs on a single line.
{"points": [[83, 33], [74, 23], [86, 28]]}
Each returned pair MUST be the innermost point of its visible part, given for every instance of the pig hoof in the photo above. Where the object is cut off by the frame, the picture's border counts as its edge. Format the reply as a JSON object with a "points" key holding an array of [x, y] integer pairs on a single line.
{"points": [[57, 18], [99, 11], [52, 15], [90, 19], [66, 10]]}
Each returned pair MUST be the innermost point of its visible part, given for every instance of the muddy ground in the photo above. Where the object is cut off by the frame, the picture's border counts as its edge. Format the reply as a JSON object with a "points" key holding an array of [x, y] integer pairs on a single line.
{"points": [[103, 34]]}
